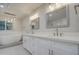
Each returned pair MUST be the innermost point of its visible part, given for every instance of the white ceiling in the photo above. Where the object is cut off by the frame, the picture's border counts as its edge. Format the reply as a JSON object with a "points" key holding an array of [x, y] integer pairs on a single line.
{"points": [[20, 9]]}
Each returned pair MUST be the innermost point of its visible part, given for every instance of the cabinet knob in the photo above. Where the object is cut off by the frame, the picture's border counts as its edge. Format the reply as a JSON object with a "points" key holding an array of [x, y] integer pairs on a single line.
{"points": [[52, 52], [49, 51]]}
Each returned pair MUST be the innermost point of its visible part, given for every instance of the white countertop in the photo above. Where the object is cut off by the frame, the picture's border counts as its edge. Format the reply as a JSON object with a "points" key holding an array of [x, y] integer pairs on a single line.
{"points": [[71, 39]]}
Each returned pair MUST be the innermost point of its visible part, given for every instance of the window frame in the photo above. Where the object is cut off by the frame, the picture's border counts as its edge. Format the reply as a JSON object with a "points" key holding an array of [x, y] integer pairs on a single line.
{"points": [[5, 23]]}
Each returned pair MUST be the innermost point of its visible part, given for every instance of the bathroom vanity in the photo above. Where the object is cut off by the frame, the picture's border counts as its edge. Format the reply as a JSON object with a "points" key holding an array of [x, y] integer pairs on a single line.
{"points": [[51, 45]]}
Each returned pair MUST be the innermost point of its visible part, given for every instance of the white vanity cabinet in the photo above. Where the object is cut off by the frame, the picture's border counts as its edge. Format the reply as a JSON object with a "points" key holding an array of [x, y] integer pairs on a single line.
{"points": [[37, 46], [31, 44], [45, 46], [27, 43], [64, 48]]}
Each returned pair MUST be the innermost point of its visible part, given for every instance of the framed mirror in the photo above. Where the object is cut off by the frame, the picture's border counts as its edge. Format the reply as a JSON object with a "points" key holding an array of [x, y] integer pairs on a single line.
{"points": [[35, 23], [59, 18]]}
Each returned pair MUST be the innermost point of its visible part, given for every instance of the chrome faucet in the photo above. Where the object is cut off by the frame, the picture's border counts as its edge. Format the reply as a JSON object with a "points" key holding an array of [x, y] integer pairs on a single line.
{"points": [[57, 32]]}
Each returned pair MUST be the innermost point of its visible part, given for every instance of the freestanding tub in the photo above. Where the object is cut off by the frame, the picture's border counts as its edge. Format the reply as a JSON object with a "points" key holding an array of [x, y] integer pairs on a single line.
{"points": [[9, 37]]}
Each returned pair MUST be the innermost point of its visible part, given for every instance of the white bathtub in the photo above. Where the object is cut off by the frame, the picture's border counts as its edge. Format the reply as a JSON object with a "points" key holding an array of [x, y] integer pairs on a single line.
{"points": [[9, 37]]}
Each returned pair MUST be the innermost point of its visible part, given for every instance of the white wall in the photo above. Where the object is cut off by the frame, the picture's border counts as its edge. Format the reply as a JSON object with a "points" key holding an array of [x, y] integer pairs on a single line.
{"points": [[17, 25], [74, 21], [73, 18], [26, 28]]}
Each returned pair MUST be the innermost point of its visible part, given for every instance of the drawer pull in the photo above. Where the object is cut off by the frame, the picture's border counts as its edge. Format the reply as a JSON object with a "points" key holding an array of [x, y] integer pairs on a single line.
{"points": [[49, 51], [52, 52]]}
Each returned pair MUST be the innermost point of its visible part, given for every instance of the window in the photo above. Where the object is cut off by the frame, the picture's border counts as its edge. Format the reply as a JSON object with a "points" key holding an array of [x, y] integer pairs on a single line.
{"points": [[8, 26], [2, 25], [5, 25]]}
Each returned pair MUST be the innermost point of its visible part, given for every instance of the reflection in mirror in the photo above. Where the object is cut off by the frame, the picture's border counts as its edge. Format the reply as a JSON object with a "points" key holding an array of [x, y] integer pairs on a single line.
{"points": [[58, 18], [35, 23]]}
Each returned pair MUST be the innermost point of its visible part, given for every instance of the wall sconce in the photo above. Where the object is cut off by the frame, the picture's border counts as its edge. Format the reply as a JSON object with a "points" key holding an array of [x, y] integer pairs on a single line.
{"points": [[76, 10], [4, 7], [34, 16]]}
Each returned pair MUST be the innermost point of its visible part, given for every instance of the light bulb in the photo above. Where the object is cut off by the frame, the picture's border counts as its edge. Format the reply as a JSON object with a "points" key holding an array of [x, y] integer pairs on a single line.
{"points": [[9, 21], [51, 7], [34, 16], [2, 6]]}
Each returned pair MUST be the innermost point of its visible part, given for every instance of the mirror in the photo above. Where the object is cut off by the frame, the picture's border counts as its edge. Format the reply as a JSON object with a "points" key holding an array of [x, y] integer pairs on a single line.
{"points": [[58, 18], [35, 23]]}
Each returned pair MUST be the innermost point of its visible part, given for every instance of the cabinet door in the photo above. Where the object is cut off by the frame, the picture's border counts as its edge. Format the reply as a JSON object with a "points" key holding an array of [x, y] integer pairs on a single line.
{"points": [[63, 48], [27, 43], [52, 44], [42, 46]]}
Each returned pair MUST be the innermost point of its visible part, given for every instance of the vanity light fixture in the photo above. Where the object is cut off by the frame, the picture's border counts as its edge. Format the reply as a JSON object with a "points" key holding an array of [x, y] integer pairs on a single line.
{"points": [[4, 7], [58, 5], [34, 16], [51, 7], [54, 6], [1, 6], [14, 19], [9, 21]]}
